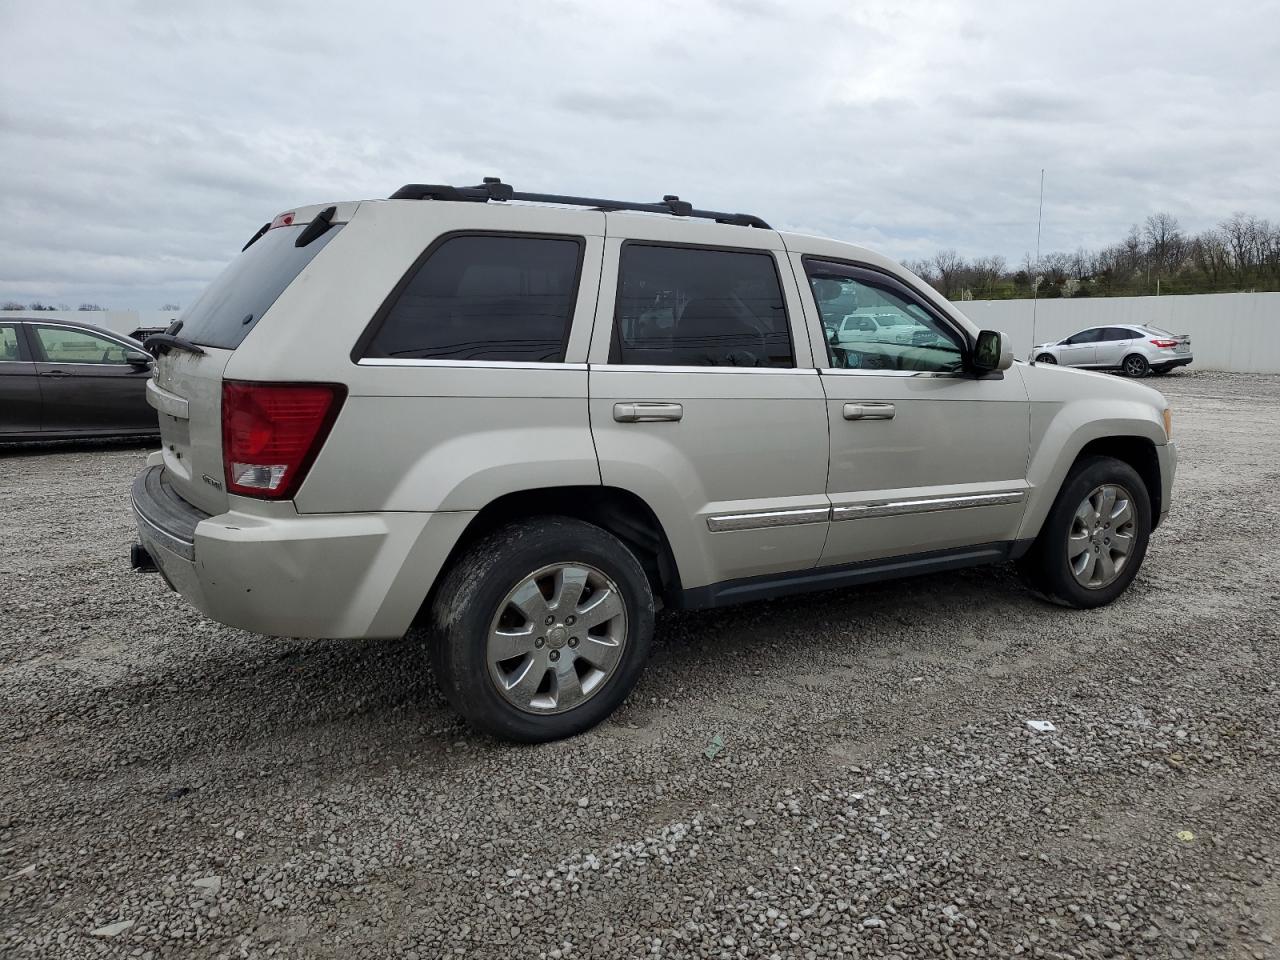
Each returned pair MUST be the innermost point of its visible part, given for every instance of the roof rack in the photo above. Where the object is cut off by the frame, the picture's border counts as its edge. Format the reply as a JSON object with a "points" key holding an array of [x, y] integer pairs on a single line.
{"points": [[494, 189]]}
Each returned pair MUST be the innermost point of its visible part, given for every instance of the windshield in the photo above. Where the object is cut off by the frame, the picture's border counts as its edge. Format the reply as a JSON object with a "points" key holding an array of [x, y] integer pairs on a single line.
{"points": [[233, 304]]}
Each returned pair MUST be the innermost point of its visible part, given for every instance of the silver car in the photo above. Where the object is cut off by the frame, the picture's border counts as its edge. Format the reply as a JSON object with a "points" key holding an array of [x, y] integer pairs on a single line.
{"points": [[1133, 349], [527, 422]]}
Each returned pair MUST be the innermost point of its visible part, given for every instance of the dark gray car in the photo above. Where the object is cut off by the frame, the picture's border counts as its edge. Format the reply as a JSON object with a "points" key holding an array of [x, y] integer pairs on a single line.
{"points": [[60, 379]]}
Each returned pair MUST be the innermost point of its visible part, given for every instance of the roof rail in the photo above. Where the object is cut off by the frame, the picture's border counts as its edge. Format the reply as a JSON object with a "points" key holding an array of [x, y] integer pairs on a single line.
{"points": [[494, 189]]}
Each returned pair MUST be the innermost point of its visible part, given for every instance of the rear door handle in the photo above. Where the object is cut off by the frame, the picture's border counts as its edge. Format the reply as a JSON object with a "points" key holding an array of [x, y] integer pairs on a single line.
{"points": [[642, 412], [869, 411], [54, 373]]}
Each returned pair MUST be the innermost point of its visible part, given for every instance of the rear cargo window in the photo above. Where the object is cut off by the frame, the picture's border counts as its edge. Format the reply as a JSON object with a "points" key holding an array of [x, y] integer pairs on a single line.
{"points": [[483, 297], [233, 304]]}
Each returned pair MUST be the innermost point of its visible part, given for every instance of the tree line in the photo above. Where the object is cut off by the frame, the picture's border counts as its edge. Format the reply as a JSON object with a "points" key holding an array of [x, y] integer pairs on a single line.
{"points": [[1242, 253]]}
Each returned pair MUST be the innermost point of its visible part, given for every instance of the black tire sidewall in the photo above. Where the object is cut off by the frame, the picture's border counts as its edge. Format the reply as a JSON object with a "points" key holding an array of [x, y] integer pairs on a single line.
{"points": [[469, 597], [1053, 573], [1124, 365], [1047, 359]]}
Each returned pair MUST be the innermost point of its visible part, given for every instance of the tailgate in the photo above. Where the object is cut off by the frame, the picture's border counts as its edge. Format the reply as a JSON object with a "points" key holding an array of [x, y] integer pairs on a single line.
{"points": [[186, 389], [187, 393]]}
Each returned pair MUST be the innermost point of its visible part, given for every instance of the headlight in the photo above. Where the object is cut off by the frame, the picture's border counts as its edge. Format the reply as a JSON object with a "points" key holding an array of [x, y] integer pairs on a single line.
{"points": [[1168, 423]]}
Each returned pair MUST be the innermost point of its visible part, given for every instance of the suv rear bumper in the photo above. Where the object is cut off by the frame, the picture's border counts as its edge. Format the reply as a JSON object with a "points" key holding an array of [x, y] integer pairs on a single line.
{"points": [[296, 575]]}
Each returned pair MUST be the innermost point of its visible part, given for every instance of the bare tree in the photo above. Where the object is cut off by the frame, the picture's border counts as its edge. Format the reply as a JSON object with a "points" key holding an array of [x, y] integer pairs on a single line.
{"points": [[170, 307], [1164, 243], [947, 266], [87, 307], [986, 273]]}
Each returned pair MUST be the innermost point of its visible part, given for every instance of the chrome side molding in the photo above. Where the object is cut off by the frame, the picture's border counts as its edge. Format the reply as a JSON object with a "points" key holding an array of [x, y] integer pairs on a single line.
{"points": [[895, 508], [765, 519]]}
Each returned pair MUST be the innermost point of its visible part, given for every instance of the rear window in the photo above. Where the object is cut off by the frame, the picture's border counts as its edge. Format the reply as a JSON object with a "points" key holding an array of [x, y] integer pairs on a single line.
{"points": [[484, 297], [692, 306], [234, 303]]}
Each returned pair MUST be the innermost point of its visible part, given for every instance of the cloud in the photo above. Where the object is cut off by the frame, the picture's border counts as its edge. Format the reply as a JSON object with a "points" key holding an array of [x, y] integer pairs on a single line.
{"points": [[138, 161]]}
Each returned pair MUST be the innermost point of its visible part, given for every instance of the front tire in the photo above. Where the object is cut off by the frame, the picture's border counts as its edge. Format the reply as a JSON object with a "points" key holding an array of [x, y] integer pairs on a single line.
{"points": [[1095, 538], [1046, 358], [1135, 365], [541, 629]]}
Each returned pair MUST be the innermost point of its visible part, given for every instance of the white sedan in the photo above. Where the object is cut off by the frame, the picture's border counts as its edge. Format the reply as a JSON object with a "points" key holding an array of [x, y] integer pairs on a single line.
{"points": [[1135, 350]]}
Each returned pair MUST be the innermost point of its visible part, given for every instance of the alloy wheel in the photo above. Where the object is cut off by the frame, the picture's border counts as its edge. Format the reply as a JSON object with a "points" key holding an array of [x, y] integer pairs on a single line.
{"points": [[557, 638], [1135, 366], [1101, 537], [1046, 358]]}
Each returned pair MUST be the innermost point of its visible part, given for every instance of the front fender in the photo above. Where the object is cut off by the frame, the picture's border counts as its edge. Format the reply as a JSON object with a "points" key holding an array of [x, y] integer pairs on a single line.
{"points": [[1061, 429]]}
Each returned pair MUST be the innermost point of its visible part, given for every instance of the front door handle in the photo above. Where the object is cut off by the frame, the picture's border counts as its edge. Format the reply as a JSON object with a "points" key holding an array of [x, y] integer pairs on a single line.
{"points": [[868, 411], [642, 412], [54, 373]]}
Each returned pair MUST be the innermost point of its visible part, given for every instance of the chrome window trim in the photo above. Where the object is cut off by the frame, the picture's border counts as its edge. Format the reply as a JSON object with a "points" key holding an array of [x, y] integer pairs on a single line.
{"points": [[895, 508], [660, 368], [765, 519], [845, 372], [494, 364]]}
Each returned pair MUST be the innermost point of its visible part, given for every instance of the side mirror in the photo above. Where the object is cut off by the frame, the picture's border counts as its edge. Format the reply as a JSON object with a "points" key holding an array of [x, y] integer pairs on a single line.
{"points": [[138, 358], [992, 351]]}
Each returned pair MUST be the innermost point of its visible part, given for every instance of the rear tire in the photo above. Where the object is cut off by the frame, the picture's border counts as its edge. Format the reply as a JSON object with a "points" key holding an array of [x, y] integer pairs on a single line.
{"points": [[541, 629], [1046, 358], [1135, 365], [1074, 552]]}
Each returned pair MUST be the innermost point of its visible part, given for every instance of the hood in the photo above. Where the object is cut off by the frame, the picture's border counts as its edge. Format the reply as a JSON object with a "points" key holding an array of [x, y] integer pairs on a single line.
{"points": [[1055, 382]]}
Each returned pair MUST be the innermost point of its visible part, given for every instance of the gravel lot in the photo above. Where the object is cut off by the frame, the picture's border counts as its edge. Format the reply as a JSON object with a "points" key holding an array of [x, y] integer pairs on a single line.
{"points": [[878, 793]]}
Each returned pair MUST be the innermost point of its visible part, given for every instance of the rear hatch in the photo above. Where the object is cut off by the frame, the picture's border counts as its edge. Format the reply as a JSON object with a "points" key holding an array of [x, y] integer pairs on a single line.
{"points": [[187, 387]]}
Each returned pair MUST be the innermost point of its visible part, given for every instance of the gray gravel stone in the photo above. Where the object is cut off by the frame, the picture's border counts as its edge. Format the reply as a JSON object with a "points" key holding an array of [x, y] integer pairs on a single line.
{"points": [[882, 796]]}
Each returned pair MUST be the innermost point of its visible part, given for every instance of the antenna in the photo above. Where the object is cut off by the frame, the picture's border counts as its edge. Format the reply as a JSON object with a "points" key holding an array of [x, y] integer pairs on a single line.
{"points": [[1035, 283]]}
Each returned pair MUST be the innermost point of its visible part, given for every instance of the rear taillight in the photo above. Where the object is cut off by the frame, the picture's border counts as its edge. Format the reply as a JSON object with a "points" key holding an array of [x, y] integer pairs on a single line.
{"points": [[1165, 343], [271, 433]]}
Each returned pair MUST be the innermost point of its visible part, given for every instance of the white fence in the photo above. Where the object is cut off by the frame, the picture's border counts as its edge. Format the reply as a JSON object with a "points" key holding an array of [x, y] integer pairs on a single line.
{"points": [[1239, 332]]}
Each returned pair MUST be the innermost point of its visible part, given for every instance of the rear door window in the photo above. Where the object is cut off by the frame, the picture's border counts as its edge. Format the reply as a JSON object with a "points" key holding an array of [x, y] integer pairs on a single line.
{"points": [[64, 345], [233, 304], [9, 342], [692, 306], [484, 297]]}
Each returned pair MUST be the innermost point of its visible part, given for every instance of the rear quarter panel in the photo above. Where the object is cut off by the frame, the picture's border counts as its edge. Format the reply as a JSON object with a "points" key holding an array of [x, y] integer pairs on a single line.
{"points": [[428, 435]]}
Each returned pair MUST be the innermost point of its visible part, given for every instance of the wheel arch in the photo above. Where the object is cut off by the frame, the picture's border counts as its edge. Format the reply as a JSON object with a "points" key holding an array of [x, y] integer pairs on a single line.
{"points": [[1134, 441], [1137, 452], [619, 511]]}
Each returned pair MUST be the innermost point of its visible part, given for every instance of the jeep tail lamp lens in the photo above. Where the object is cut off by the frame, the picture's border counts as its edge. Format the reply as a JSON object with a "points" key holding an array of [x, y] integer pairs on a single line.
{"points": [[1168, 423], [272, 432]]}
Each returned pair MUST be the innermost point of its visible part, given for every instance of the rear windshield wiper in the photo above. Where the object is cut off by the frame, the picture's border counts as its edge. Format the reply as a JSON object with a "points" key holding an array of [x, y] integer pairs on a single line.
{"points": [[163, 342]]}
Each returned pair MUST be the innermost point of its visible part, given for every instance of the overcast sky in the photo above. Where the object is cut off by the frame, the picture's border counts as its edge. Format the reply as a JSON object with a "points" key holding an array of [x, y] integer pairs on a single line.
{"points": [[142, 143]]}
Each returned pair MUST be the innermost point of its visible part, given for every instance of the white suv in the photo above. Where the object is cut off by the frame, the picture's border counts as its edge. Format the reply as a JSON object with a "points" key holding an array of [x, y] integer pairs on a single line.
{"points": [[527, 422]]}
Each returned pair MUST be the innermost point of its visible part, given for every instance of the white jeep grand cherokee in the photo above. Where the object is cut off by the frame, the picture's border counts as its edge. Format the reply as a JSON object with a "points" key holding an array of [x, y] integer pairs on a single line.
{"points": [[528, 421]]}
